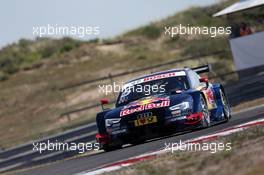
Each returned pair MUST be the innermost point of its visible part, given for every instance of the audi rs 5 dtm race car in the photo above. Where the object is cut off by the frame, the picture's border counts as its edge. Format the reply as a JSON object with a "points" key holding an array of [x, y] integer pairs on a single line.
{"points": [[182, 100]]}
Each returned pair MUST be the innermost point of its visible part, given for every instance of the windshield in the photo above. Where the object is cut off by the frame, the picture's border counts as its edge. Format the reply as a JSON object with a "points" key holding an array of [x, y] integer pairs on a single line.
{"points": [[145, 89]]}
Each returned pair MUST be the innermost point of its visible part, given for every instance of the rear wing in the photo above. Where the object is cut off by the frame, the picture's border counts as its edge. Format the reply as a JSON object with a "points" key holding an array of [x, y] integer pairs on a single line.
{"points": [[202, 69]]}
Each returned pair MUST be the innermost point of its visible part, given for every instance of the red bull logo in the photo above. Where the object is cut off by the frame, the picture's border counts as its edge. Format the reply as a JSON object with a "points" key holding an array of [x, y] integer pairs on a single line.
{"points": [[145, 106], [145, 101]]}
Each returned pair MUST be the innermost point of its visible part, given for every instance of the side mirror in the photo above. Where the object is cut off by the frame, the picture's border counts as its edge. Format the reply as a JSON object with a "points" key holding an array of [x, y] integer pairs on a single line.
{"points": [[104, 101], [204, 80]]}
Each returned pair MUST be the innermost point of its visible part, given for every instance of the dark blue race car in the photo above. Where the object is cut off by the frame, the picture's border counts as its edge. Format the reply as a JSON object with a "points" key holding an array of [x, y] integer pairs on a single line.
{"points": [[159, 104]]}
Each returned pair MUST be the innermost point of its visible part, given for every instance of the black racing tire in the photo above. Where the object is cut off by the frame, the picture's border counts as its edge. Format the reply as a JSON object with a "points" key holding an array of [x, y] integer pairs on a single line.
{"points": [[226, 107], [206, 122]]}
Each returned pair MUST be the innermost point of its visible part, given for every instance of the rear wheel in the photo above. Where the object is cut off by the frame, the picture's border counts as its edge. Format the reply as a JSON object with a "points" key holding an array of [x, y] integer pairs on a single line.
{"points": [[226, 107], [206, 122]]}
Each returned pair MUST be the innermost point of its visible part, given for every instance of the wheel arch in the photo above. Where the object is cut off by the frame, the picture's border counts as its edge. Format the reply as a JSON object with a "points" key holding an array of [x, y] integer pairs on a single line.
{"points": [[217, 87], [196, 99]]}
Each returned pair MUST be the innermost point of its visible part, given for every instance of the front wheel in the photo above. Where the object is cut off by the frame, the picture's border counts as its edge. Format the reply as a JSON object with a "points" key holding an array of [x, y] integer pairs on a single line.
{"points": [[226, 107]]}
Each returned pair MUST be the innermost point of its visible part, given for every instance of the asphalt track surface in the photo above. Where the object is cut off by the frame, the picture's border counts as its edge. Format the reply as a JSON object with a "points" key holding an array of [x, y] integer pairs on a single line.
{"points": [[89, 162]]}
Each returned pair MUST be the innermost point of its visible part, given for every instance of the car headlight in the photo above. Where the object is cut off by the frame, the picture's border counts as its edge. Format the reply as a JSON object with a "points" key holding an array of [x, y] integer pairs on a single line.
{"points": [[110, 122], [181, 106]]}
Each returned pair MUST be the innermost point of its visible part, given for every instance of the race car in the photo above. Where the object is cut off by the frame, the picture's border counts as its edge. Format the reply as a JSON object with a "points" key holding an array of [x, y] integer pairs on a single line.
{"points": [[159, 104]]}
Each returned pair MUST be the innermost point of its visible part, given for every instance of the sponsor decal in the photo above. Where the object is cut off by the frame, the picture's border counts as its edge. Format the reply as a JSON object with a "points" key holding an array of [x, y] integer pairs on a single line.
{"points": [[119, 131], [176, 113], [143, 107], [210, 96], [155, 77], [167, 75], [146, 101]]}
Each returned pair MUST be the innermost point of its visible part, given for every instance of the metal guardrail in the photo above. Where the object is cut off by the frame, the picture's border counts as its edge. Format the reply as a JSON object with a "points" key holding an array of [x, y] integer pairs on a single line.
{"points": [[23, 156], [246, 89]]}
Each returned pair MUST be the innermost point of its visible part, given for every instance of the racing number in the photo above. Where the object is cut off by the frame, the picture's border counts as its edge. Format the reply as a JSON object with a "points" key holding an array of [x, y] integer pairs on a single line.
{"points": [[145, 118]]}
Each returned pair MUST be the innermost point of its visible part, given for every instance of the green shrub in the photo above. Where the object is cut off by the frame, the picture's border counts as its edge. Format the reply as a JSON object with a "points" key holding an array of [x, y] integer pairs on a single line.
{"points": [[3, 76], [204, 46], [48, 51], [150, 32], [66, 47], [67, 44], [95, 41], [7, 65]]}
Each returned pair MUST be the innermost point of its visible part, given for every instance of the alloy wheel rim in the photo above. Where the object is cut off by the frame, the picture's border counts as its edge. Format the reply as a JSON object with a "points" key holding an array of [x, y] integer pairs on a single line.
{"points": [[225, 105]]}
